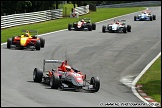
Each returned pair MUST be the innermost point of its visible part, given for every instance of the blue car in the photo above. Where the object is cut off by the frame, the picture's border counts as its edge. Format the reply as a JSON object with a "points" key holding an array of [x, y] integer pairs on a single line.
{"points": [[144, 17]]}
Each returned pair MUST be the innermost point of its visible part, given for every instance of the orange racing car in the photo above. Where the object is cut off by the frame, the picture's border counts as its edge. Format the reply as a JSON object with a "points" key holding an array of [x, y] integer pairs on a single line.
{"points": [[28, 39]]}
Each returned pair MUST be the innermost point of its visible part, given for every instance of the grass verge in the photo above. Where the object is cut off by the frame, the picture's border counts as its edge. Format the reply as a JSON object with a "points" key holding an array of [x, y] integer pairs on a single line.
{"points": [[151, 81], [58, 24]]}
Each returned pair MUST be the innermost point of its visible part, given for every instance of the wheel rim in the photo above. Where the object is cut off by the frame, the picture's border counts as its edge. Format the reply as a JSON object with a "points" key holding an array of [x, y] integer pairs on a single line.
{"points": [[51, 81], [93, 82], [34, 75]]}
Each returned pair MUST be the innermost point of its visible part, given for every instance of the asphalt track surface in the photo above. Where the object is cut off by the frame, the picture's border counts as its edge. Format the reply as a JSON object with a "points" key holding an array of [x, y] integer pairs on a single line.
{"points": [[110, 56]]}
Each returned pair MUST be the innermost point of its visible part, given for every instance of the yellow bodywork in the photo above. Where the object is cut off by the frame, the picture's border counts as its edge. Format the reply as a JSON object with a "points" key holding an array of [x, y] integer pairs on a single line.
{"points": [[24, 38], [23, 41]]}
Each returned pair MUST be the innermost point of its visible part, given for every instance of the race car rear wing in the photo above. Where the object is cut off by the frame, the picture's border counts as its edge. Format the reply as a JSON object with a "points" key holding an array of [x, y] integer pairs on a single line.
{"points": [[31, 31], [50, 61], [123, 20], [85, 18]]}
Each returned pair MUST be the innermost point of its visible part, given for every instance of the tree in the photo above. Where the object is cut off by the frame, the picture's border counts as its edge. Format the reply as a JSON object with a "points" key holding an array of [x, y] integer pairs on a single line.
{"points": [[57, 4]]}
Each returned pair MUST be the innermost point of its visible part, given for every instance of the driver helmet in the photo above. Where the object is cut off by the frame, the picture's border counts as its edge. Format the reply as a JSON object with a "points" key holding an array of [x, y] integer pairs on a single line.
{"points": [[117, 22], [68, 68], [82, 20], [27, 34]]}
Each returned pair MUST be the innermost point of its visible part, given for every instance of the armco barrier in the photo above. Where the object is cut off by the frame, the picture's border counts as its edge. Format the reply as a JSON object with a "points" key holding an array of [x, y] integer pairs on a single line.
{"points": [[79, 11], [34, 17], [29, 18], [82, 9]]}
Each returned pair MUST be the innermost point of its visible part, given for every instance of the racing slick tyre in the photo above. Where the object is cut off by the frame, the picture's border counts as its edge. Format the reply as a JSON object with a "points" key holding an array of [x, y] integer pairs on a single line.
{"points": [[154, 17], [89, 27], [151, 18], [13, 38], [109, 28], [69, 27], [9, 42], [37, 75], [103, 29], [135, 18], [93, 26], [95, 81], [55, 82], [38, 45], [124, 30], [42, 42], [128, 28]]}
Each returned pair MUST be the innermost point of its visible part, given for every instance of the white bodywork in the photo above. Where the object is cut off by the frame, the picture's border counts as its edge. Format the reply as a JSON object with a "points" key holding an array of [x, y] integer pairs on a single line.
{"points": [[79, 24], [114, 26], [144, 15]]}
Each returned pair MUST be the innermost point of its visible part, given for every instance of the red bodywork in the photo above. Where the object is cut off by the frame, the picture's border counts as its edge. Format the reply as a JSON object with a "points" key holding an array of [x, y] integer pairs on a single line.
{"points": [[79, 77], [17, 40]]}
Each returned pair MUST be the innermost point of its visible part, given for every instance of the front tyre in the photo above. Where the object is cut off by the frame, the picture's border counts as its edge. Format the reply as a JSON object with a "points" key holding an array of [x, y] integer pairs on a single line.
{"points": [[151, 18], [69, 27], [55, 82], [103, 29], [154, 17], [93, 26], [89, 27], [129, 28], [9, 42], [124, 30], [135, 17], [42, 42], [37, 45], [95, 81]]}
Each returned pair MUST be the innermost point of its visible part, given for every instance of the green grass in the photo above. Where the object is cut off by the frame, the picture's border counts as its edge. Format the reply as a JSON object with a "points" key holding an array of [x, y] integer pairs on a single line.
{"points": [[151, 81], [58, 24]]}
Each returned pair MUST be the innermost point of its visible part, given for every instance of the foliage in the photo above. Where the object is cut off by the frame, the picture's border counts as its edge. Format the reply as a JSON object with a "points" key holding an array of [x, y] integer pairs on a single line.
{"points": [[54, 25], [16, 7]]}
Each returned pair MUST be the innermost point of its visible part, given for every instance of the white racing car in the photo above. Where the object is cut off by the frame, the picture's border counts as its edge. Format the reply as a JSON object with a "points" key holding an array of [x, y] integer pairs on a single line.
{"points": [[117, 27], [145, 16]]}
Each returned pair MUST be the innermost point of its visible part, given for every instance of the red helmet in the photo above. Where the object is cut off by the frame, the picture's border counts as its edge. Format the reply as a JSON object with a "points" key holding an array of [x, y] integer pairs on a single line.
{"points": [[67, 67]]}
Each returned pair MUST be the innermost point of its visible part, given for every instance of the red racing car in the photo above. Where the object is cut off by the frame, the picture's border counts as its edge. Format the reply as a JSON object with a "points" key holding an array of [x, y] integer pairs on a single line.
{"points": [[82, 24], [65, 77], [28, 39]]}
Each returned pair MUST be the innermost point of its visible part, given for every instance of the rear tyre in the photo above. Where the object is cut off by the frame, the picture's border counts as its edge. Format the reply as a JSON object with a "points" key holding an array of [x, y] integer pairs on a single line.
{"points": [[37, 75], [95, 81], [55, 82]]}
